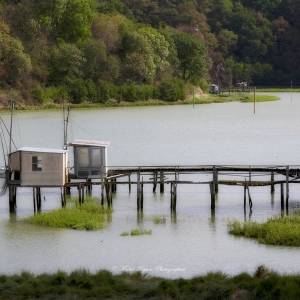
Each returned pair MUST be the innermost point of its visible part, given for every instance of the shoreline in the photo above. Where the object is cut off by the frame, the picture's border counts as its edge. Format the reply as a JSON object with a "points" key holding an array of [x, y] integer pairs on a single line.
{"points": [[206, 99]]}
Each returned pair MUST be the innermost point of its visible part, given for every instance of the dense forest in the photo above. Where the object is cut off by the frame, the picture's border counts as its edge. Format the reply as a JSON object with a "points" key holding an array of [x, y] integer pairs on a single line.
{"points": [[128, 50]]}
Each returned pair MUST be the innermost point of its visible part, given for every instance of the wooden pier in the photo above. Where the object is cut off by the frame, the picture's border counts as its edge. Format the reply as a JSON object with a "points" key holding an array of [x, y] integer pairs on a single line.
{"points": [[246, 176]]}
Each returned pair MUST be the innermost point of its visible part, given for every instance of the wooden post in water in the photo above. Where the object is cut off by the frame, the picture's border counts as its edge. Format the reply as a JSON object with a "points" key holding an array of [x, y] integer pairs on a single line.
{"points": [[34, 201], [282, 197], [102, 187], [138, 192], [79, 193], [249, 174], [154, 181], [38, 198], [142, 195], [162, 187], [272, 180], [12, 191], [287, 188], [216, 180], [129, 185], [212, 196], [245, 196]]}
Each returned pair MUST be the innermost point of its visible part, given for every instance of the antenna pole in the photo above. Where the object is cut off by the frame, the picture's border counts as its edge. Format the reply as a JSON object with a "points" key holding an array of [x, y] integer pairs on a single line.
{"points": [[11, 120]]}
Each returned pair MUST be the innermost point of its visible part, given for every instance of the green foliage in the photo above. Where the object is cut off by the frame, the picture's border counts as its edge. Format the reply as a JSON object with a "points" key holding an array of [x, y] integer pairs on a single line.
{"points": [[172, 89], [86, 216], [276, 231], [191, 54], [135, 232]]}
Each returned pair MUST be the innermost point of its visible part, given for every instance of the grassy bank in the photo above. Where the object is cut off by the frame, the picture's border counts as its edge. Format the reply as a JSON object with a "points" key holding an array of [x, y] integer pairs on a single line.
{"points": [[104, 285], [278, 89], [275, 231], [86, 216], [205, 99]]}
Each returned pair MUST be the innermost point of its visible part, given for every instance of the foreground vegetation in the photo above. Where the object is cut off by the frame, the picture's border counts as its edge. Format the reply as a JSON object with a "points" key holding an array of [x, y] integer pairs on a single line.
{"points": [[275, 231], [81, 284], [85, 216]]}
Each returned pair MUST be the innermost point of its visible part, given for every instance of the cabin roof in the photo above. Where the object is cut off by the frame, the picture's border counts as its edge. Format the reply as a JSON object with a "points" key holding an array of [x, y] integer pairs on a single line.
{"points": [[89, 143], [41, 150]]}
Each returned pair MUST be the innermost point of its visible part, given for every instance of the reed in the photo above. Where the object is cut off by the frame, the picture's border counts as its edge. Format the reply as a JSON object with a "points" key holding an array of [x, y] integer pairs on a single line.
{"points": [[277, 230], [159, 219], [86, 216]]}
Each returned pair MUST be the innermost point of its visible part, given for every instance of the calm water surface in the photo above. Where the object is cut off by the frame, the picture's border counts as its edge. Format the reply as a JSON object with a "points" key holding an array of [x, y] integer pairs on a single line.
{"points": [[194, 241]]}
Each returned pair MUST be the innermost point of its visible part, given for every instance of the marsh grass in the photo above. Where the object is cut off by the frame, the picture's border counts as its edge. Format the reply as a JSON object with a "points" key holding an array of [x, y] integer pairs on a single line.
{"points": [[277, 230], [81, 284], [135, 232], [159, 219], [86, 216]]}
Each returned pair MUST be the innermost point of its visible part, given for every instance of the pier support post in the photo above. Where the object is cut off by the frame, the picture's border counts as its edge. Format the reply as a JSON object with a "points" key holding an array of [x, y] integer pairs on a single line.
{"points": [[38, 198], [282, 197], [12, 199], [68, 188], [140, 188], [88, 186], [272, 180], [245, 196], [154, 181], [287, 189], [162, 187], [129, 184], [34, 200], [173, 194], [102, 187], [216, 180], [212, 196]]}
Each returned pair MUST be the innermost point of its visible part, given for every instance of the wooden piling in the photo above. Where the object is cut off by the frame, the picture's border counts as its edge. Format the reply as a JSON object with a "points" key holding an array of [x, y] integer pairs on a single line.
{"points": [[245, 196], [154, 181], [79, 193], [102, 187], [216, 180], [282, 196], [162, 186], [212, 196], [272, 180], [38, 198], [287, 188], [129, 184], [34, 200], [12, 199]]}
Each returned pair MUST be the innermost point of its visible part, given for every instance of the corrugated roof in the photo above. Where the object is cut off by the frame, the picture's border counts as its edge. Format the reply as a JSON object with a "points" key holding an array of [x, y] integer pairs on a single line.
{"points": [[43, 150], [89, 143]]}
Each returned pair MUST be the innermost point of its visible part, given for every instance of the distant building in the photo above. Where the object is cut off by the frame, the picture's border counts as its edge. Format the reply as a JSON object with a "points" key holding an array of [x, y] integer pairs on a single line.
{"points": [[38, 167], [90, 158]]}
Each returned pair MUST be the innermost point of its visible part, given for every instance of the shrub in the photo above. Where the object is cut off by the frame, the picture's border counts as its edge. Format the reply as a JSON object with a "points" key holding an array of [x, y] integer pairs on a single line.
{"points": [[172, 90]]}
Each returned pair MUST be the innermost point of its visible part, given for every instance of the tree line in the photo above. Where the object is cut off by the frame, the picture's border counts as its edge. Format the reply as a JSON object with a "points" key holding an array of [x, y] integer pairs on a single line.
{"points": [[128, 50]]}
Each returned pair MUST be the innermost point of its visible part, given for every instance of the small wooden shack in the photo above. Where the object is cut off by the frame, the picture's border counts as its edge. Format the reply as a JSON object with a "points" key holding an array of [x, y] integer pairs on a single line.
{"points": [[38, 167], [90, 158]]}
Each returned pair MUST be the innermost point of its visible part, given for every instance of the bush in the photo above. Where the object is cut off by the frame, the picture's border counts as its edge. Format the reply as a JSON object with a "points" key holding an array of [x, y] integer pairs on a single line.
{"points": [[172, 90]]}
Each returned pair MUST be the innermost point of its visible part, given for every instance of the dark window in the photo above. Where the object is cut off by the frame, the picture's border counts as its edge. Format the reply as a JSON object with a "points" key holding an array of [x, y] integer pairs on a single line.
{"points": [[37, 163]]}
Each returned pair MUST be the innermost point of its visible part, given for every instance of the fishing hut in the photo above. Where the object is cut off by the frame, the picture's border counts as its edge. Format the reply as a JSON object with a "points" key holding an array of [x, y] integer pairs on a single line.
{"points": [[36, 167], [90, 159]]}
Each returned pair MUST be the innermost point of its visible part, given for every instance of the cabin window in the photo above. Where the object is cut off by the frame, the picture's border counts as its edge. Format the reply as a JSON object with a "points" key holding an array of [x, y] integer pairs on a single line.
{"points": [[96, 158], [37, 163], [83, 157]]}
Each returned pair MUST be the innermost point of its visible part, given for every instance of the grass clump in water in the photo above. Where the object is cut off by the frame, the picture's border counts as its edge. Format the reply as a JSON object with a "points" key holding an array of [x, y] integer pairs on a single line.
{"points": [[159, 219], [124, 233], [277, 230], [85, 216], [140, 231]]}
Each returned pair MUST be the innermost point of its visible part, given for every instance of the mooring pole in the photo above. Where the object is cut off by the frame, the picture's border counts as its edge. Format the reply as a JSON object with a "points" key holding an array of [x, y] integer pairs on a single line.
{"points": [[282, 196], [287, 188], [34, 201], [162, 187], [272, 180], [129, 185]]}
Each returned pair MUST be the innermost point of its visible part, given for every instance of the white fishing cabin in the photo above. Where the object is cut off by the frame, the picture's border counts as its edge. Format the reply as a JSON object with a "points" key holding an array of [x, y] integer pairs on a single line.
{"points": [[90, 158], [38, 167]]}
